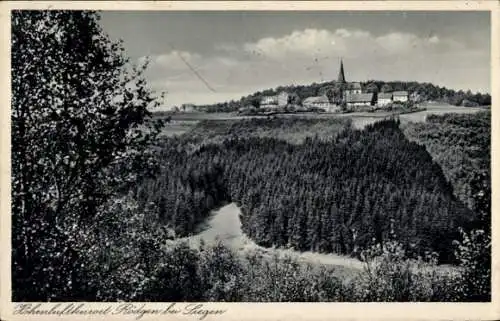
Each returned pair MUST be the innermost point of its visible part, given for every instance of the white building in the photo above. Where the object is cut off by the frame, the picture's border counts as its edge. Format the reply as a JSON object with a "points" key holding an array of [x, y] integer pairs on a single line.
{"points": [[353, 88], [316, 101], [269, 102], [333, 108], [400, 96], [280, 100], [283, 98], [357, 100], [384, 99]]}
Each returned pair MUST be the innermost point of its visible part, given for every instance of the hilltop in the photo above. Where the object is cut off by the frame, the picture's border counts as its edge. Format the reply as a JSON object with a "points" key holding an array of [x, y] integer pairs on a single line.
{"points": [[424, 91]]}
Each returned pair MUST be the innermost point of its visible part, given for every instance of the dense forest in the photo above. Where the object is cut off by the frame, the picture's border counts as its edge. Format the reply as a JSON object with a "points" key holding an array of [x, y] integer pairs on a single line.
{"points": [[460, 144], [426, 92], [328, 196]]}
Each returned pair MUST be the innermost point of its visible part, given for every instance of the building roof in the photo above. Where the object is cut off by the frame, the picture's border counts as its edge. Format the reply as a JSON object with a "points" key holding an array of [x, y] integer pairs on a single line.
{"points": [[400, 93], [316, 99], [359, 98], [384, 96], [354, 86]]}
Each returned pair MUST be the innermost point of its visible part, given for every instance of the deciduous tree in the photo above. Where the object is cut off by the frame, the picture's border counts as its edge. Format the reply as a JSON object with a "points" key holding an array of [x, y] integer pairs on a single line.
{"points": [[77, 107]]}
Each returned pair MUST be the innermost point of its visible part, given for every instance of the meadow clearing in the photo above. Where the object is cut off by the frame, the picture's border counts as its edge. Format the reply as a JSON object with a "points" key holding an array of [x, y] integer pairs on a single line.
{"points": [[181, 123]]}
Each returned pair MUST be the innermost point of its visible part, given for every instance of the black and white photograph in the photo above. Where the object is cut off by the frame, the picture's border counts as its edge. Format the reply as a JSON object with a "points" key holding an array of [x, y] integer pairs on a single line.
{"points": [[250, 155]]}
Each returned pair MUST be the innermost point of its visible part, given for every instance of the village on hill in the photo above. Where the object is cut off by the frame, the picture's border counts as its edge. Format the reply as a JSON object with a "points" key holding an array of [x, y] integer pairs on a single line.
{"points": [[339, 96], [342, 96]]}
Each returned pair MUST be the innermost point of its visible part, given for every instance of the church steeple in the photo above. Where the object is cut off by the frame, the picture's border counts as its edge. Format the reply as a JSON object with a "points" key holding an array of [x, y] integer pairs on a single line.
{"points": [[341, 78]]}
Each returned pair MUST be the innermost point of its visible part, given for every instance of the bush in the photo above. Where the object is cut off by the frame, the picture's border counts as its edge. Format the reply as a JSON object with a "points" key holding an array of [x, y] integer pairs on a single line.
{"points": [[176, 277], [118, 254], [474, 255], [220, 273], [390, 276]]}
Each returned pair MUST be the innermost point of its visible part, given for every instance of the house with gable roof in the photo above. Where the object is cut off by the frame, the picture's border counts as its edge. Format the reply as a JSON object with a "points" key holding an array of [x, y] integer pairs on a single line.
{"points": [[400, 96], [384, 99]]}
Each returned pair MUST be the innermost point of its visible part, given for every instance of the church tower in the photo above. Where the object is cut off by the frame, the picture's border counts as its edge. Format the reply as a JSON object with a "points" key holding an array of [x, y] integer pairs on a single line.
{"points": [[341, 78]]}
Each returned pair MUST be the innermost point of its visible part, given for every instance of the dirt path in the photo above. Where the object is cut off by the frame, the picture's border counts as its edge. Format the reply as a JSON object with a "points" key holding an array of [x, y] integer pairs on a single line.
{"points": [[224, 225]]}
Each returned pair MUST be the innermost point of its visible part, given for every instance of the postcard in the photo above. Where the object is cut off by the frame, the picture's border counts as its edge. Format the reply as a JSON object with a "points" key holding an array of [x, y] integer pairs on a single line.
{"points": [[254, 160]]}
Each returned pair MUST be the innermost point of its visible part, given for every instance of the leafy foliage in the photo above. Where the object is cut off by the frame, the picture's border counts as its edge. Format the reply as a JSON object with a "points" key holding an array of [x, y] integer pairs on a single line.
{"points": [[77, 105], [474, 248], [217, 273], [390, 276], [474, 253]]}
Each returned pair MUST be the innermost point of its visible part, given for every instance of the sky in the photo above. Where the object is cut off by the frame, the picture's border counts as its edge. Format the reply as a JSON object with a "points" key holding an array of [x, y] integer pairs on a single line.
{"points": [[208, 57]]}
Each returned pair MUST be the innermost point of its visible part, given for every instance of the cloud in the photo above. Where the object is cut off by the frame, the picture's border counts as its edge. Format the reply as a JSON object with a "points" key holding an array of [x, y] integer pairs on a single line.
{"points": [[398, 43], [434, 39], [305, 42], [310, 42], [175, 59]]}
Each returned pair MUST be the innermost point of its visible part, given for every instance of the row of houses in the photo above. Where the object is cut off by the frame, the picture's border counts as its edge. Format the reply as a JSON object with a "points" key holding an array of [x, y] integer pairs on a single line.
{"points": [[384, 99], [351, 96], [380, 99], [321, 102], [354, 98]]}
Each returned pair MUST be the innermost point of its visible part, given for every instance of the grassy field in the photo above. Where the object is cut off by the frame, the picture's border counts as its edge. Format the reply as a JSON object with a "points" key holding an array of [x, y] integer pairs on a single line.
{"points": [[181, 123], [293, 130], [177, 127]]}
